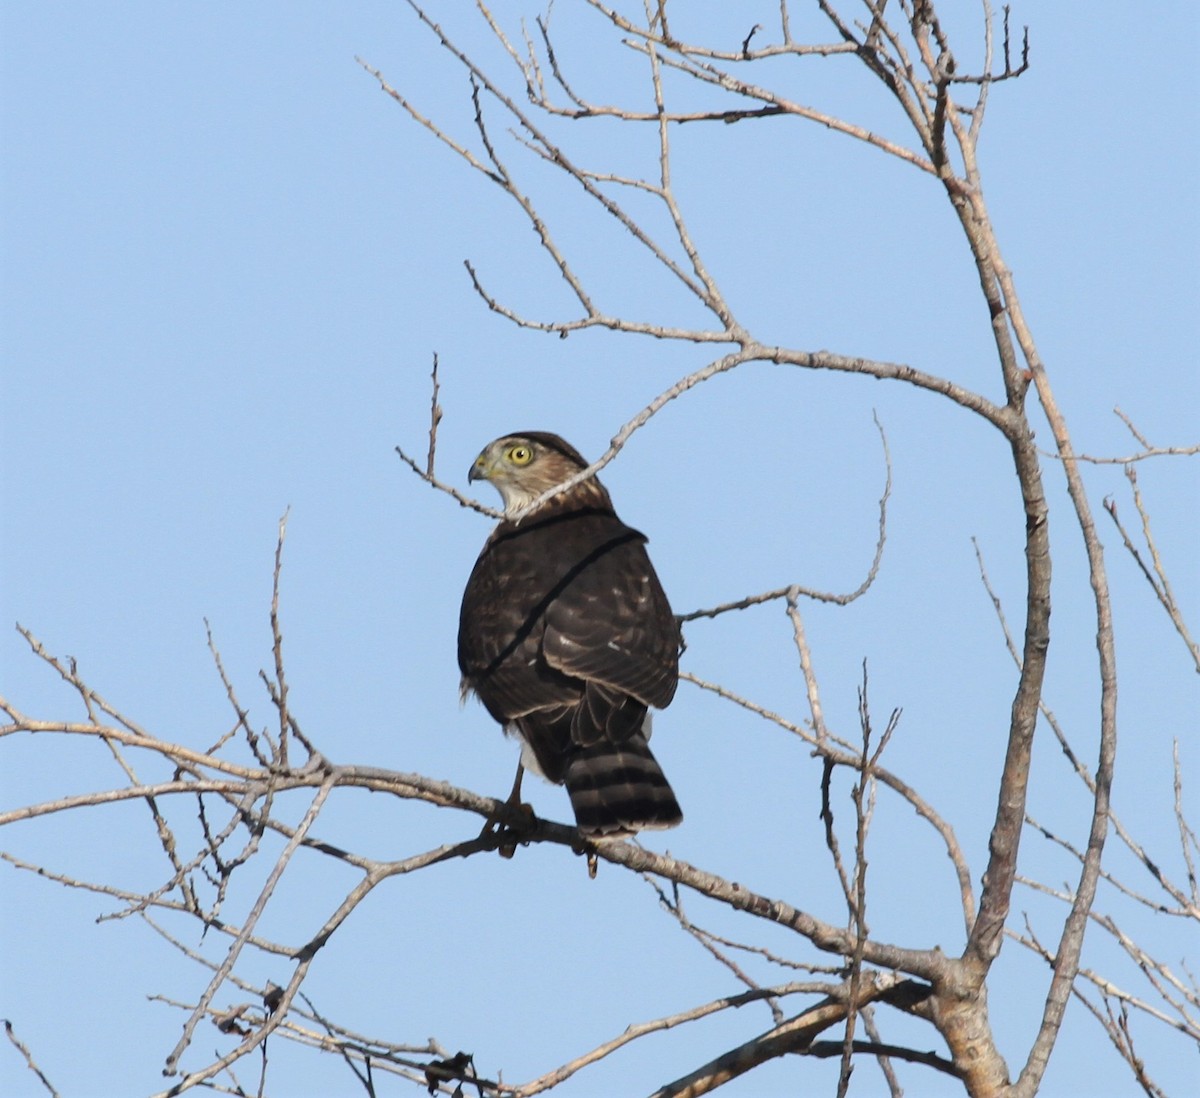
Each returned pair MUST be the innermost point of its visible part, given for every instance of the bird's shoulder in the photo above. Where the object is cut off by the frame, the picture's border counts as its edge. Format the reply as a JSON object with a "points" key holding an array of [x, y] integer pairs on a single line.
{"points": [[563, 532]]}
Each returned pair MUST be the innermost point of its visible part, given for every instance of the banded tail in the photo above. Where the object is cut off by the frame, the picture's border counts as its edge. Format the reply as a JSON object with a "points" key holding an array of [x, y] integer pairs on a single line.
{"points": [[618, 790]]}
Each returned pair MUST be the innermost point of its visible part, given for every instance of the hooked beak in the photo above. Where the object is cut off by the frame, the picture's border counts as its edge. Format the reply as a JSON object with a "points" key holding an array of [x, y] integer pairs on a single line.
{"points": [[480, 469]]}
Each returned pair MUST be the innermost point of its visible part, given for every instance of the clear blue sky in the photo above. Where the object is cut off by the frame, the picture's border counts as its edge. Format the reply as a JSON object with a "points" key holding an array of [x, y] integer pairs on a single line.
{"points": [[227, 262]]}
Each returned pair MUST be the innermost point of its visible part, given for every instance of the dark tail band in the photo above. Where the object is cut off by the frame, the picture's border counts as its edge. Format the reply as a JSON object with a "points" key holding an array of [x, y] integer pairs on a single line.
{"points": [[619, 790]]}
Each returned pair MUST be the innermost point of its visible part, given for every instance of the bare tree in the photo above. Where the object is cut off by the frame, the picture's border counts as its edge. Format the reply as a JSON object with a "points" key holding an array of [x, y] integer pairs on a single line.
{"points": [[835, 994]]}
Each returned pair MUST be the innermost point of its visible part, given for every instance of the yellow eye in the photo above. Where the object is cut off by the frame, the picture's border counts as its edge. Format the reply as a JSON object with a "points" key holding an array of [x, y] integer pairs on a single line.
{"points": [[519, 455]]}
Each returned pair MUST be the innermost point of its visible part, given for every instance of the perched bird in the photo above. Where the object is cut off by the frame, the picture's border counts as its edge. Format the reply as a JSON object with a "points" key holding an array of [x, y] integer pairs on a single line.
{"points": [[567, 638]]}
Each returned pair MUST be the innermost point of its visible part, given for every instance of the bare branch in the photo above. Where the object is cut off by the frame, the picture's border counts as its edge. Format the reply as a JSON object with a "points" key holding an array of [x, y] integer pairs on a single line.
{"points": [[797, 1035], [449, 489], [842, 753], [1147, 451], [251, 921], [435, 417], [807, 592], [30, 1063], [642, 1029], [1155, 573]]}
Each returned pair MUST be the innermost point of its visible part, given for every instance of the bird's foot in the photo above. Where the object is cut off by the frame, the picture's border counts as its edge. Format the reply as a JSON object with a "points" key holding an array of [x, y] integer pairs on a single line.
{"points": [[510, 831]]}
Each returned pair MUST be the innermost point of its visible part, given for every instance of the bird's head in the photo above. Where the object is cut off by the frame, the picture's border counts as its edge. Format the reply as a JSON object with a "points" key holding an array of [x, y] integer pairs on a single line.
{"points": [[522, 466]]}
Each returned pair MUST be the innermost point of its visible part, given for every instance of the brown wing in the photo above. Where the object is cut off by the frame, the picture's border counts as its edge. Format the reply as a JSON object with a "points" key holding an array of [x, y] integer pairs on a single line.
{"points": [[612, 626], [500, 630], [567, 610]]}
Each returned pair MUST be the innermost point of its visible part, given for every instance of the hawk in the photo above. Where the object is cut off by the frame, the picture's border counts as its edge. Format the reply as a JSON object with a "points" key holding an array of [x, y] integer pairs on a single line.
{"points": [[567, 638]]}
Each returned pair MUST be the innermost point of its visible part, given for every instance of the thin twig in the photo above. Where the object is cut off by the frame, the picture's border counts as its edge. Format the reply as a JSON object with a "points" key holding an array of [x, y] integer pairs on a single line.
{"points": [[30, 1063], [435, 417]]}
